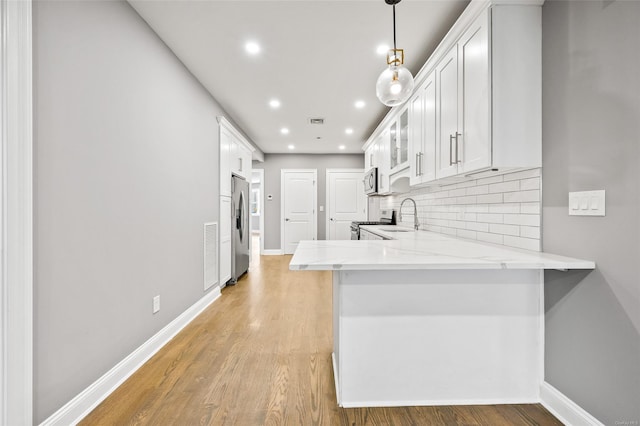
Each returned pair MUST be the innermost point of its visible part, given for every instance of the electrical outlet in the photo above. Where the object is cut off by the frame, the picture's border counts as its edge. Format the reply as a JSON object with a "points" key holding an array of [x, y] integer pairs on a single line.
{"points": [[156, 304]]}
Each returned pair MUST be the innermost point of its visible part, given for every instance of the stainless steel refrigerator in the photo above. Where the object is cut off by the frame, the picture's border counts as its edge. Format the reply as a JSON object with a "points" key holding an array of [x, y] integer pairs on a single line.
{"points": [[240, 230]]}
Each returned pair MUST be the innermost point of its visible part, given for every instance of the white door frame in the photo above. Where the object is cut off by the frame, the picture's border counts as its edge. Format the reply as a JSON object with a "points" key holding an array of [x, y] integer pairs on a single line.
{"points": [[261, 173], [327, 195], [315, 202], [16, 230]]}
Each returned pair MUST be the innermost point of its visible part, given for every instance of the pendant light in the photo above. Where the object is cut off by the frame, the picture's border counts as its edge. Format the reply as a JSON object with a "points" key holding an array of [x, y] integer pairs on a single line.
{"points": [[395, 84]]}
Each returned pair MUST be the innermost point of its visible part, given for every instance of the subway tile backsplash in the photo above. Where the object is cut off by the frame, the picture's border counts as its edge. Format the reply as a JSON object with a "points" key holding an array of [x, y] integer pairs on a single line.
{"points": [[502, 209]]}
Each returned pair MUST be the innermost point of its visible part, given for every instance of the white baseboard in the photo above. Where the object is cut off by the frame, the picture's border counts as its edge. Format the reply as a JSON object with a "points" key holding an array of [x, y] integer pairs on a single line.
{"points": [[436, 402], [76, 409], [567, 411], [271, 252]]}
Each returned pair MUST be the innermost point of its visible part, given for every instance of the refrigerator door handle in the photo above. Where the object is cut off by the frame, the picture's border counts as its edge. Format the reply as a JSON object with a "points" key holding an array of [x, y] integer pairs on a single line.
{"points": [[240, 217]]}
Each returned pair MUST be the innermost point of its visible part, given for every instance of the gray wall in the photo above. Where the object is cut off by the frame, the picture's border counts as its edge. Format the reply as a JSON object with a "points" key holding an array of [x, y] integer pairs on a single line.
{"points": [[591, 111], [126, 149], [272, 165]]}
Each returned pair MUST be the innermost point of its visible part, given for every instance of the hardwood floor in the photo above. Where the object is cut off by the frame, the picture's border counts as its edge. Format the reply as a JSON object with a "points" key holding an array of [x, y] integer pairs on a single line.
{"points": [[261, 355]]}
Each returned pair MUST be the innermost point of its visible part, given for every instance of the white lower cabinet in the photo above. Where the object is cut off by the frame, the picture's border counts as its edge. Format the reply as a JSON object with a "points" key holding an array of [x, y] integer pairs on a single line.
{"points": [[225, 239], [366, 235]]}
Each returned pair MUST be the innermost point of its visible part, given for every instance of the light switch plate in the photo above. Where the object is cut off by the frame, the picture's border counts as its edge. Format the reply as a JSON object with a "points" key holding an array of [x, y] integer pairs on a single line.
{"points": [[587, 203]]}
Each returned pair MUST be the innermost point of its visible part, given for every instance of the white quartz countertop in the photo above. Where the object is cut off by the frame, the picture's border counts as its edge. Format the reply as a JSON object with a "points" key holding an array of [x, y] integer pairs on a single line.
{"points": [[421, 250]]}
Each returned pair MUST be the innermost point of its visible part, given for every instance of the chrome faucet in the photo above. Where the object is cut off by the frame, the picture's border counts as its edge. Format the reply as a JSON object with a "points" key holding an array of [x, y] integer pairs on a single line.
{"points": [[416, 224]]}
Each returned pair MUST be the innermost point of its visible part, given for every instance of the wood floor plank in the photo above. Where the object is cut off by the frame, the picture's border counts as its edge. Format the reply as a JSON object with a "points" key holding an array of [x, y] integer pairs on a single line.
{"points": [[261, 355]]}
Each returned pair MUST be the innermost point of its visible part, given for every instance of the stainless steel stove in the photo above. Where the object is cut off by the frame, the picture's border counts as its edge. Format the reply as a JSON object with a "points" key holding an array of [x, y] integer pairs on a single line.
{"points": [[387, 217]]}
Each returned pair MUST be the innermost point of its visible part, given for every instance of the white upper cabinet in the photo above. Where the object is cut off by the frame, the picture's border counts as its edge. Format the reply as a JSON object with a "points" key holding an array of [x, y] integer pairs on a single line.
{"points": [[393, 145], [383, 162], [476, 109], [241, 160], [447, 112], [403, 139], [399, 142], [422, 133], [226, 141], [235, 155], [368, 158], [474, 122], [463, 81]]}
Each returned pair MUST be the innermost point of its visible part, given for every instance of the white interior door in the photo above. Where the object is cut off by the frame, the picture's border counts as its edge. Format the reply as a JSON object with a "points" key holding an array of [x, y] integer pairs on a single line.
{"points": [[299, 196], [346, 202]]}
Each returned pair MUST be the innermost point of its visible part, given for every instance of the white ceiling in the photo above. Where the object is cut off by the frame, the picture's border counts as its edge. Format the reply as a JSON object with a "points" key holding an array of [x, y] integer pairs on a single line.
{"points": [[317, 58]]}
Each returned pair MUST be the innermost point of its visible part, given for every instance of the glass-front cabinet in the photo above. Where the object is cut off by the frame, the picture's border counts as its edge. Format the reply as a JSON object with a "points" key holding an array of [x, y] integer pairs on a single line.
{"points": [[399, 142], [404, 137], [393, 145]]}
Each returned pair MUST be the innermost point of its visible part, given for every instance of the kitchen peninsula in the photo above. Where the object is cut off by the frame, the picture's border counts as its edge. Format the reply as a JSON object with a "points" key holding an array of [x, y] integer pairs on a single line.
{"points": [[428, 319]]}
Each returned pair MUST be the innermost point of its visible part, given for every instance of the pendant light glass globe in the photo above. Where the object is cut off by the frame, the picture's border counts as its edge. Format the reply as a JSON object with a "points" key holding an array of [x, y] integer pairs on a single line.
{"points": [[395, 85]]}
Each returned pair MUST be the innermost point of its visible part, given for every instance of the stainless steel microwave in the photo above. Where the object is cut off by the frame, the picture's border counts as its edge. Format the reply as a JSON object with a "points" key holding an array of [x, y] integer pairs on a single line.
{"points": [[371, 181]]}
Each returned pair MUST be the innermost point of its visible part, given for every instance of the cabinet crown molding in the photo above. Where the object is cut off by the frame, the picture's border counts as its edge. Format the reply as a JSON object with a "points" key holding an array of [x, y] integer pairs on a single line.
{"points": [[224, 122]]}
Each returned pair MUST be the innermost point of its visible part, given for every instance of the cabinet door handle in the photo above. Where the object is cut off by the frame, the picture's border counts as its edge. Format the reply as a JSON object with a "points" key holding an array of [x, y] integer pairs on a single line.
{"points": [[451, 163], [287, 219], [421, 155], [417, 164], [457, 149]]}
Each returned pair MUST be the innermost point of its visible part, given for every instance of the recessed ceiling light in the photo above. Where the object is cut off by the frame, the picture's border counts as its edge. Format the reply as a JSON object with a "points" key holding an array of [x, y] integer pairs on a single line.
{"points": [[291, 147], [342, 147], [382, 49], [252, 47], [359, 104], [274, 103], [284, 131], [349, 131]]}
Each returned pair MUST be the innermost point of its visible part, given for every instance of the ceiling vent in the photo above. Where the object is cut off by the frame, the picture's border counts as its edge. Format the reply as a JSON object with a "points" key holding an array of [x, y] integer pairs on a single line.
{"points": [[316, 121]]}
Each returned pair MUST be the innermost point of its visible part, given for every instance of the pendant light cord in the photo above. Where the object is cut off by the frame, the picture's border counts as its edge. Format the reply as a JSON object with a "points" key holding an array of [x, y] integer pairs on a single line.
{"points": [[394, 27]]}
